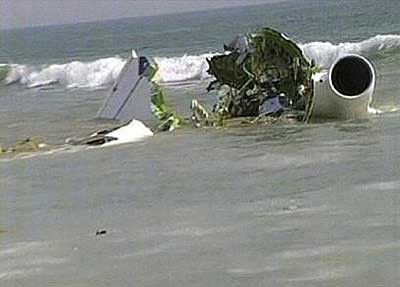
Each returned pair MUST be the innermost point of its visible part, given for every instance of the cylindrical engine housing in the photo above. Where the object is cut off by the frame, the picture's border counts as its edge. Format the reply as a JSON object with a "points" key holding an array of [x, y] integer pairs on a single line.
{"points": [[345, 91]]}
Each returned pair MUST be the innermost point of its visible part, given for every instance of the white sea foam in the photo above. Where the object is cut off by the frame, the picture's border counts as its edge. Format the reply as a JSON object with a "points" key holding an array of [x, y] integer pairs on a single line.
{"points": [[325, 53], [103, 72], [180, 69], [20, 273], [75, 74], [19, 249], [25, 259]]}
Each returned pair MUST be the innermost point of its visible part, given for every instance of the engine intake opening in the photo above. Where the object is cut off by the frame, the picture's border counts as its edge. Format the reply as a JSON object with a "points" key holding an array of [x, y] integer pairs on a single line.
{"points": [[351, 76]]}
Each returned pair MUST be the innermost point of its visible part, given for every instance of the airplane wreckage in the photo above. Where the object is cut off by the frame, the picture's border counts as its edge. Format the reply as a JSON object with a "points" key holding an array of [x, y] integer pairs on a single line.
{"points": [[262, 77]]}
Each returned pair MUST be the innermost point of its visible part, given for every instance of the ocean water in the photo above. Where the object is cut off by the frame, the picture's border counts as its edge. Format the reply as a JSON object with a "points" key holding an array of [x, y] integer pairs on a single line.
{"points": [[288, 205]]}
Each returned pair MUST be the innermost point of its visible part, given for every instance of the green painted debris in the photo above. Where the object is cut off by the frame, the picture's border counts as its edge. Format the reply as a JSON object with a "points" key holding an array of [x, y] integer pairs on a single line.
{"points": [[4, 70], [162, 110], [263, 75]]}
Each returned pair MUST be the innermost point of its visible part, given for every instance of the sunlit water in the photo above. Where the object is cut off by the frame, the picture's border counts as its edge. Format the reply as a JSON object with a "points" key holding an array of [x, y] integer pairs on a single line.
{"points": [[293, 205]]}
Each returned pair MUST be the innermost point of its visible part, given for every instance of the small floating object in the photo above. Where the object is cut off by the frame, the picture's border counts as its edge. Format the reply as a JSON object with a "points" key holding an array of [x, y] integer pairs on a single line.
{"points": [[101, 232]]}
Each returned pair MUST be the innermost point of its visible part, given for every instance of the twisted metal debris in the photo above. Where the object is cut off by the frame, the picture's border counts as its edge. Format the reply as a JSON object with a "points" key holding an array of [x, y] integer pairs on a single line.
{"points": [[262, 75]]}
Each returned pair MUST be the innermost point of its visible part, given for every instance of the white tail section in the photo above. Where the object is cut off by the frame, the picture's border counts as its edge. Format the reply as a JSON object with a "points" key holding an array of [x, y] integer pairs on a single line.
{"points": [[130, 95]]}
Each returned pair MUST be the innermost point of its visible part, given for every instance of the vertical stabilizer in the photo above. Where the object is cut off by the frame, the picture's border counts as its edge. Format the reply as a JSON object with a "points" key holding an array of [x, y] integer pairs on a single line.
{"points": [[130, 96]]}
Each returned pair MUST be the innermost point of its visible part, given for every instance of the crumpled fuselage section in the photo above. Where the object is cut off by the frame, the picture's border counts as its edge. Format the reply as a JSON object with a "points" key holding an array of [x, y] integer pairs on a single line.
{"points": [[261, 74]]}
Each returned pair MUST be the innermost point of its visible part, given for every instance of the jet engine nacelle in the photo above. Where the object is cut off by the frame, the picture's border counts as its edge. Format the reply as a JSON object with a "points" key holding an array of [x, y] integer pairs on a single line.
{"points": [[345, 91]]}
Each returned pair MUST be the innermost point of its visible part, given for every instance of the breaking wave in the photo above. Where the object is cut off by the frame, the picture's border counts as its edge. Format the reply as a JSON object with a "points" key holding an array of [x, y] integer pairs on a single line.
{"points": [[325, 53], [181, 69], [72, 75], [103, 72]]}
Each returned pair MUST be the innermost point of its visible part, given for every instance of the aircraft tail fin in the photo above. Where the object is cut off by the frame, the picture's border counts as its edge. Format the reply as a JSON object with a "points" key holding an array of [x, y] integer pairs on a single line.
{"points": [[130, 96]]}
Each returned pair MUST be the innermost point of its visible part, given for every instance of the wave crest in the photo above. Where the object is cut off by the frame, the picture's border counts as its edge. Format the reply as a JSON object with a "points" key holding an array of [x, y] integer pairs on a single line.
{"points": [[181, 69], [326, 53], [103, 72], [72, 75]]}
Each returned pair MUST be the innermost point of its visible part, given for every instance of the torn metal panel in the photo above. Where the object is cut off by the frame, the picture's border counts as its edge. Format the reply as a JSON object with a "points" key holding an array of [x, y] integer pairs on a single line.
{"points": [[131, 132]]}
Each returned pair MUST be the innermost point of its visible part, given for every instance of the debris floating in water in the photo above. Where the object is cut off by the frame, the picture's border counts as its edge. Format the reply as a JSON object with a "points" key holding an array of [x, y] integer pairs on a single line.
{"points": [[27, 145], [161, 109], [132, 131], [262, 74], [4, 71], [101, 232]]}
